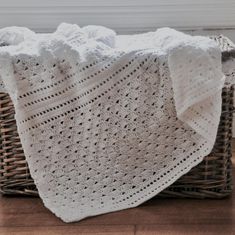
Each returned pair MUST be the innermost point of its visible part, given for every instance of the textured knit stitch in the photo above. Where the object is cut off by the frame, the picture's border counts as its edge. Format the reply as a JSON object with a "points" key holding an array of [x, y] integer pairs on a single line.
{"points": [[107, 125]]}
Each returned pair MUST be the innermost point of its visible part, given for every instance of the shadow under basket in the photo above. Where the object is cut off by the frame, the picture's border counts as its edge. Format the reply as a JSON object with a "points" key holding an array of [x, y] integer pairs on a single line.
{"points": [[212, 178]]}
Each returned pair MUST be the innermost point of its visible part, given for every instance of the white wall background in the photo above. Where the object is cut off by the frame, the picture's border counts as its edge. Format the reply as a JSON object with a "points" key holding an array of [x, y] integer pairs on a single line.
{"points": [[207, 17], [122, 15], [125, 16]]}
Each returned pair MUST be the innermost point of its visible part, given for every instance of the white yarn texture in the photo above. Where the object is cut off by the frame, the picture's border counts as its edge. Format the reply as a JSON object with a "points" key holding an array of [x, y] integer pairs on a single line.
{"points": [[107, 123]]}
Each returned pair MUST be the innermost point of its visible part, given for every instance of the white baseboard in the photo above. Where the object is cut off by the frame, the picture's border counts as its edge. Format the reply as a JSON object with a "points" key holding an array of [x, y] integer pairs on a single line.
{"points": [[121, 15]]}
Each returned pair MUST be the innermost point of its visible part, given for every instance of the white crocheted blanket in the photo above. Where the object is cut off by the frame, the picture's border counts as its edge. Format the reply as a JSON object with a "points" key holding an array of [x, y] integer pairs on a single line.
{"points": [[106, 123]]}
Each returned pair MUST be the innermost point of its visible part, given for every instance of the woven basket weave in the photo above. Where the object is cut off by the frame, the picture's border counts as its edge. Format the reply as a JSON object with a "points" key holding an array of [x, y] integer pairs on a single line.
{"points": [[212, 178]]}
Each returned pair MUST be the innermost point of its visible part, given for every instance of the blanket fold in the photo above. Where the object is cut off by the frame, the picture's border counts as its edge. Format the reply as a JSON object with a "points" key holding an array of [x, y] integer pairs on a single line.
{"points": [[107, 124]]}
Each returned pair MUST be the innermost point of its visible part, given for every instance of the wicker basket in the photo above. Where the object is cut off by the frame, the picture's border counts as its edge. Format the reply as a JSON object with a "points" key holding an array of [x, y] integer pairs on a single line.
{"points": [[212, 178]]}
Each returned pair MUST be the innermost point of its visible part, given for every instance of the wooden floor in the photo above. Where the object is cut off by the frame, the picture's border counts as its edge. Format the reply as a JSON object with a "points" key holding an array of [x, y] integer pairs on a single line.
{"points": [[158, 216]]}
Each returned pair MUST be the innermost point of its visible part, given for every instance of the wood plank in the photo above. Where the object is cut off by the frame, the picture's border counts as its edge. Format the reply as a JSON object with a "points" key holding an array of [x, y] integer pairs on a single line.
{"points": [[186, 229], [71, 230], [19, 211]]}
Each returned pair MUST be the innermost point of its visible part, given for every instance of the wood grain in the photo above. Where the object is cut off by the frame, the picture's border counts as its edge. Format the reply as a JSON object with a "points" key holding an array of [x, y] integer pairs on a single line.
{"points": [[71, 230], [27, 215], [186, 229]]}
